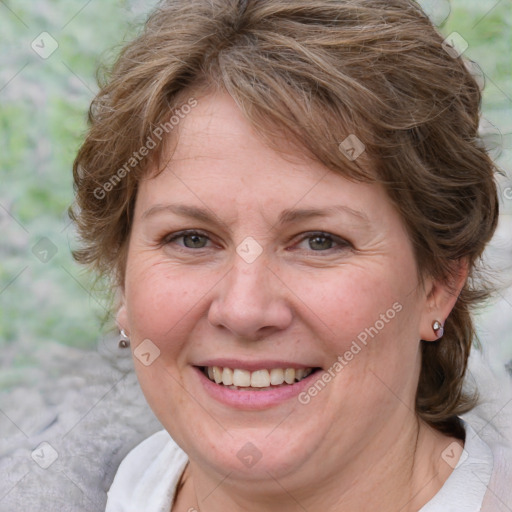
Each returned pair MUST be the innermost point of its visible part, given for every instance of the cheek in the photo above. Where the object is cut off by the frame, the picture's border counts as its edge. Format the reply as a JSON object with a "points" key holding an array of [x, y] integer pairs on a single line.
{"points": [[368, 316], [367, 322], [163, 302], [351, 300]]}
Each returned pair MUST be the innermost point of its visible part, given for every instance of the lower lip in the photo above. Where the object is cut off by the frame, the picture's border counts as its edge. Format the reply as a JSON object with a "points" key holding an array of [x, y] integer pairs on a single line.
{"points": [[254, 400]]}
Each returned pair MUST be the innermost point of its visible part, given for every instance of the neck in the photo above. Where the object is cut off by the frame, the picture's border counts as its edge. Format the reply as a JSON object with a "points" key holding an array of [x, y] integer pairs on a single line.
{"points": [[402, 474]]}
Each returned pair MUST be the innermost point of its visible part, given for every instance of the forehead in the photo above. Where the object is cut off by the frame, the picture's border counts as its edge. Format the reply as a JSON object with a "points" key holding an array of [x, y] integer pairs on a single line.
{"points": [[216, 129], [217, 158]]}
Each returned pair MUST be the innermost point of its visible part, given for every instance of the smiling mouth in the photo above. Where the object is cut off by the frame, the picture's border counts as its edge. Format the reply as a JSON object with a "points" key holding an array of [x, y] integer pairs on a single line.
{"points": [[259, 380]]}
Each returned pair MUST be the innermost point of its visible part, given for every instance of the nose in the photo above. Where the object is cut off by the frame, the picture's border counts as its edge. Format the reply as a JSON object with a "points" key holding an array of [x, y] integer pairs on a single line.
{"points": [[250, 302]]}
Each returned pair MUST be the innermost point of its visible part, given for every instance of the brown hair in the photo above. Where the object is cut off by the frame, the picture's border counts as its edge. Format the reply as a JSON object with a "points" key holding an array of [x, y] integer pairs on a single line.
{"points": [[319, 71]]}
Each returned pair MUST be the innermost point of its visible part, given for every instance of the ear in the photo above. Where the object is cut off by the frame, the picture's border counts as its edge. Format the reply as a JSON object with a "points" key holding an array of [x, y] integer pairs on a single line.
{"points": [[441, 298]]}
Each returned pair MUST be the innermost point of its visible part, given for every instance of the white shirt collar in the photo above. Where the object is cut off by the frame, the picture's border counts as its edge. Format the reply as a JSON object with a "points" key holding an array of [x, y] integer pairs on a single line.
{"points": [[465, 488]]}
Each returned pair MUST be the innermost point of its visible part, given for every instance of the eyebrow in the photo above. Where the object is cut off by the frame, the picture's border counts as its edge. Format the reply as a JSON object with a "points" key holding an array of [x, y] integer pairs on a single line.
{"points": [[286, 217], [291, 215], [182, 210]]}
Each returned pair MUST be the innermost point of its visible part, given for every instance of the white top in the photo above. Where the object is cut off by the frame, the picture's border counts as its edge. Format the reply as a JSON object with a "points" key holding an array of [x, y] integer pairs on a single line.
{"points": [[481, 481]]}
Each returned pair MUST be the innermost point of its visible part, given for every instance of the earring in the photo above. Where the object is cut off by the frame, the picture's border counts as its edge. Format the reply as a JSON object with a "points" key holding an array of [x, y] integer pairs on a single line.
{"points": [[124, 342], [438, 328]]}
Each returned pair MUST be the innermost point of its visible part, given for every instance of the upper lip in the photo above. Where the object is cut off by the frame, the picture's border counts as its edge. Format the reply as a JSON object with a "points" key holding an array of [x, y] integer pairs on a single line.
{"points": [[253, 365]]}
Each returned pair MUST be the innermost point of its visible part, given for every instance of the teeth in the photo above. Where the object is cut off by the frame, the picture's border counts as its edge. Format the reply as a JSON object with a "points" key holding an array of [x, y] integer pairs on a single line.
{"points": [[276, 376], [260, 379], [217, 374], [227, 376], [289, 375], [241, 378], [237, 378]]}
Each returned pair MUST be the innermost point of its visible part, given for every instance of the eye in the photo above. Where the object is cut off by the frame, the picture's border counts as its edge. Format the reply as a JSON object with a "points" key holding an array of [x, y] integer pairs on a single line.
{"points": [[188, 239], [321, 242]]}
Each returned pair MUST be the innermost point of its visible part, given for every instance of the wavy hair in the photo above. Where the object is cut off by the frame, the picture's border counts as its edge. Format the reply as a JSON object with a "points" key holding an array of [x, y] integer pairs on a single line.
{"points": [[319, 71]]}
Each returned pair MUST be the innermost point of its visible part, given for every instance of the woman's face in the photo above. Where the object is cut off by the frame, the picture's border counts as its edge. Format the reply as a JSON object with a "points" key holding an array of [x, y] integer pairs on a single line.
{"points": [[245, 258]]}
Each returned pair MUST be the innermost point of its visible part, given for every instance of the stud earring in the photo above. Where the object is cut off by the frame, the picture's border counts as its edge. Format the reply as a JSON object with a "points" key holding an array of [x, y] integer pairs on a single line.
{"points": [[438, 328], [124, 342]]}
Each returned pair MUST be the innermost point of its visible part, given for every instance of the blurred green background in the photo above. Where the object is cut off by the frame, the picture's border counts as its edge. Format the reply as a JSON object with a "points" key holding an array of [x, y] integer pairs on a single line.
{"points": [[45, 298]]}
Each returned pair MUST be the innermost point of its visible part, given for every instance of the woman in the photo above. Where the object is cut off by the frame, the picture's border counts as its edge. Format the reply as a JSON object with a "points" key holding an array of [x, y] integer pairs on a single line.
{"points": [[291, 201]]}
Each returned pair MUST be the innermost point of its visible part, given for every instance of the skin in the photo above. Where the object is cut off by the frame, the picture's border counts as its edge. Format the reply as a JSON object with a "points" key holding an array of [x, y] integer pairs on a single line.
{"points": [[357, 445]]}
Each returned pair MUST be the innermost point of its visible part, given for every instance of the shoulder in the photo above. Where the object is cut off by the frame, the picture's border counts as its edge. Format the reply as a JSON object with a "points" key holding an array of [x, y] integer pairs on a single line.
{"points": [[147, 476]]}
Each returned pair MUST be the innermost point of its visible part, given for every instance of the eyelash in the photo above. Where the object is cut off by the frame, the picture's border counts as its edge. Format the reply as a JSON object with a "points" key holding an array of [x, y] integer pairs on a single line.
{"points": [[168, 239], [341, 243]]}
